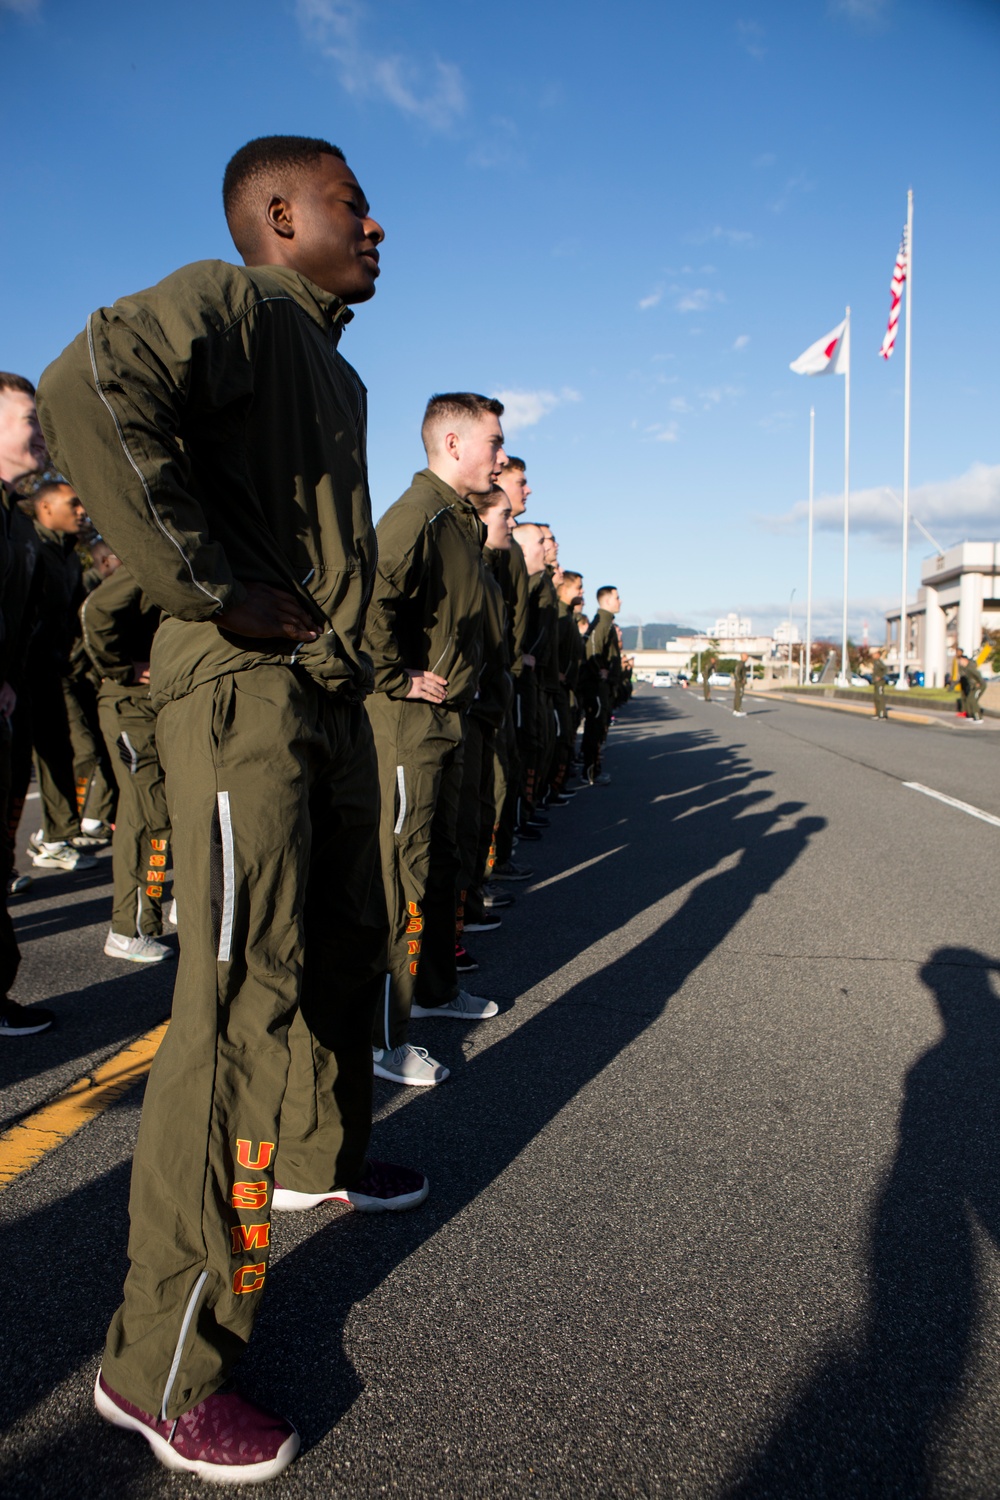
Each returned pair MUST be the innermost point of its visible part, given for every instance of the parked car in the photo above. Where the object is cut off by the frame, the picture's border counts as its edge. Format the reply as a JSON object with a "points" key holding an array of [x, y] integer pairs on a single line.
{"points": [[721, 679], [661, 678]]}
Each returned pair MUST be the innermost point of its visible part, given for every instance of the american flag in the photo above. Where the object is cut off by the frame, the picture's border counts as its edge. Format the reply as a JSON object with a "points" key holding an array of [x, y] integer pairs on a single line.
{"points": [[898, 278]]}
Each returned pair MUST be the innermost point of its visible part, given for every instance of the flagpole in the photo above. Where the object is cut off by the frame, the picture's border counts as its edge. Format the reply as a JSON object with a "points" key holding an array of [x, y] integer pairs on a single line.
{"points": [[845, 665], [903, 632], [809, 563]]}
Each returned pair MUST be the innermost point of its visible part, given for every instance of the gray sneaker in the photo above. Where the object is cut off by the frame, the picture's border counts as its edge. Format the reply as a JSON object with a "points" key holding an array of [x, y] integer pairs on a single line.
{"points": [[60, 857], [138, 949], [464, 1007], [408, 1064]]}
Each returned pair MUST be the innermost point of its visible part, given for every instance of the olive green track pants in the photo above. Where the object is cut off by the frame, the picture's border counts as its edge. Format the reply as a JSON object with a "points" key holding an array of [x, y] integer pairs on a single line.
{"points": [[420, 772], [266, 1070], [139, 850]]}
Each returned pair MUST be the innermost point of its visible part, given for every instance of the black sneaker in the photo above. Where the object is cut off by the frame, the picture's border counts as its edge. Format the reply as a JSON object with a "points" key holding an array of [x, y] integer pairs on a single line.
{"points": [[23, 1020], [529, 834], [497, 899], [485, 923], [464, 961], [510, 871], [539, 820], [560, 799]]}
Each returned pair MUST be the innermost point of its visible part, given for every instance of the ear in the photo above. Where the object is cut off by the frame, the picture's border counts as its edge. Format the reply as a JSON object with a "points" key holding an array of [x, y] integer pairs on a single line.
{"points": [[279, 217], [452, 445]]}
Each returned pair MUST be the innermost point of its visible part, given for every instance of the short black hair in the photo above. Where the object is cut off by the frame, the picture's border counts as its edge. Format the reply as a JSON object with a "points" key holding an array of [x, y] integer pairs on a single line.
{"points": [[251, 172], [514, 463], [453, 405], [609, 588]]}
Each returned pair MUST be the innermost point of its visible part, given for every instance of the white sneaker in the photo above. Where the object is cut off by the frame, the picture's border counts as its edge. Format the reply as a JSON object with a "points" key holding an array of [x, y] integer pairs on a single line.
{"points": [[408, 1064], [172, 912], [60, 857], [138, 949], [739, 713], [464, 1007]]}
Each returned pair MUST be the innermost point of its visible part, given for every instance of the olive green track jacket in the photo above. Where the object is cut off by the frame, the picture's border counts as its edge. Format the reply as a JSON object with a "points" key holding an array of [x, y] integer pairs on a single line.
{"points": [[119, 623], [217, 438], [427, 609]]}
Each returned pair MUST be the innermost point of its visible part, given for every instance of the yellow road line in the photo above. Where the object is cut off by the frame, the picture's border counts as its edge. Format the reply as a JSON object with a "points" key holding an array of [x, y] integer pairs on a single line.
{"points": [[27, 1143]]}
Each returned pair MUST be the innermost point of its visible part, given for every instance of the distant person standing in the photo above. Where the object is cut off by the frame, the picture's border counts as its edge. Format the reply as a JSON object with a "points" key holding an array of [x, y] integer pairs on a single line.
{"points": [[878, 684], [707, 668], [739, 685], [972, 687]]}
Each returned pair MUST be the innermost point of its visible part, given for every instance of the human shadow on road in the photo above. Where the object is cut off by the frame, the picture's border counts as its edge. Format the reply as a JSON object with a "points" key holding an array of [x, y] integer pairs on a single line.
{"points": [[638, 933], [873, 1420]]}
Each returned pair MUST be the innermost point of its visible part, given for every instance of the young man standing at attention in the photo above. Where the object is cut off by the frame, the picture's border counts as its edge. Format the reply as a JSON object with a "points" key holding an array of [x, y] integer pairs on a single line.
{"points": [[425, 634], [219, 437]]}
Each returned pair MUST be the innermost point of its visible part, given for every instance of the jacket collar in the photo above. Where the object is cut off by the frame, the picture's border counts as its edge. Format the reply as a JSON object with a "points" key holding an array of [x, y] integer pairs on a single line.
{"points": [[453, 499], [330, 311]]}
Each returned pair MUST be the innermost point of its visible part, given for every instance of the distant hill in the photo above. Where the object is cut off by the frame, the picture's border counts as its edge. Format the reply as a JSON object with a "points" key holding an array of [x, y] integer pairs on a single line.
{"points": [[655, 636]]}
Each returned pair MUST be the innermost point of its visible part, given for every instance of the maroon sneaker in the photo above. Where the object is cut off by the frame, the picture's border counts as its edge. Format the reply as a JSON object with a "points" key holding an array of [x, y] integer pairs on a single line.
{"points": [[225, 1438], [382, 1187]]}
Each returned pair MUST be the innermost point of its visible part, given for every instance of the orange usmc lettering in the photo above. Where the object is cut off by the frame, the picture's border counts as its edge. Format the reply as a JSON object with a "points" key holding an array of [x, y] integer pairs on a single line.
{"points": [[158, 860], [159, 844], [261, 1161], [413, 948], [154, 890], [249, 1278], [250, 1237], [249, 1194]]}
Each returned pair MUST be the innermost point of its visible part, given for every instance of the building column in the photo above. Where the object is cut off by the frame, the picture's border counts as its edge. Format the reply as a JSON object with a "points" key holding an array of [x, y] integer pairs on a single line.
{"points": [[935, 655], [970, 612]]}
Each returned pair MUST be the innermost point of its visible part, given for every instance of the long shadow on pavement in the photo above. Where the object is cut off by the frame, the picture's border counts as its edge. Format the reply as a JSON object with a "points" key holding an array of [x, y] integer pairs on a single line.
{"points": [[489, 1112], [873, 1420]]}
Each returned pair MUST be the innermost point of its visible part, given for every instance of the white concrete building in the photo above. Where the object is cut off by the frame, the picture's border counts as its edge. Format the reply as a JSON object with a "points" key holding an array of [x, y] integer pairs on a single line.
{"points": [[733, 627], [957, 603]]}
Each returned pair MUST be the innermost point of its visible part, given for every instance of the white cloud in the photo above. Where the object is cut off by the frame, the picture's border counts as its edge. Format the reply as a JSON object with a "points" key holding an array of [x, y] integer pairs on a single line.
{"points": [[527, 408], [800, 183], [751, 36], [431, 91], [864, 12], [653, 300], [681, 404], [728, 236], [715, 395], [966, 508], [698, 300], [22, 7], [663, 432], [741, 342]]}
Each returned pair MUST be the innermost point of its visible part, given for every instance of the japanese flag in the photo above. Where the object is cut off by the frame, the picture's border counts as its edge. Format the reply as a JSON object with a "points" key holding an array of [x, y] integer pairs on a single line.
{"points": [[828, 356]]}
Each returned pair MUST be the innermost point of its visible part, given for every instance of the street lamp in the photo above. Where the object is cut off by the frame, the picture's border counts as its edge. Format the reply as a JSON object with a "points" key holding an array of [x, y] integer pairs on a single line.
{"points": [[790, 598]]}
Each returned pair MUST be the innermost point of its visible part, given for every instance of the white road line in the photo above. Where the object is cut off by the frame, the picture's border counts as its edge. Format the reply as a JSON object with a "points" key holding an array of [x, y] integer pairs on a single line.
{"points": [[565, 874], [966, 807]]}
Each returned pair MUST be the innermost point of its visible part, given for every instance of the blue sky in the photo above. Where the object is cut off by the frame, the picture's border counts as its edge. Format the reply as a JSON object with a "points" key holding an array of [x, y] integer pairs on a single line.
{"points": [[627, 218]]}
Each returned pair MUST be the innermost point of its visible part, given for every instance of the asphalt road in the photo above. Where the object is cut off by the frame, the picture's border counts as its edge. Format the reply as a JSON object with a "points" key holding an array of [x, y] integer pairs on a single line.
{"points": [[715, 1202]]}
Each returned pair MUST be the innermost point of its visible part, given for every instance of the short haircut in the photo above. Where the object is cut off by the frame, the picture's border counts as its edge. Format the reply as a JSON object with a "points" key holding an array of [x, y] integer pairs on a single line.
{"points": [[31, 488], [260, 168], [527, 526], [455, 406], [609, 588], [19, 383], [570, 577], [515, 463], [484, 502]]}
